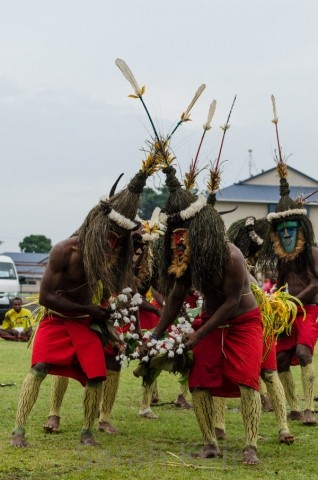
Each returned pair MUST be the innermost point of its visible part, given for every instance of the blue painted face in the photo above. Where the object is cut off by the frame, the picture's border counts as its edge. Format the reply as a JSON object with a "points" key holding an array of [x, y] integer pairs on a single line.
{"points": [[288, 232]]}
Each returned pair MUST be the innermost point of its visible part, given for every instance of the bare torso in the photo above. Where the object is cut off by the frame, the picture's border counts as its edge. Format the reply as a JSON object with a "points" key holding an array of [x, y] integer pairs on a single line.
{"points": [[301, 282], [64, 287]]}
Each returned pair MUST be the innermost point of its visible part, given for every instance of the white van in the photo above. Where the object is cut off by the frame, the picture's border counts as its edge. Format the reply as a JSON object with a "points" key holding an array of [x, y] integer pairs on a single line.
{"points": [[9, 284]]}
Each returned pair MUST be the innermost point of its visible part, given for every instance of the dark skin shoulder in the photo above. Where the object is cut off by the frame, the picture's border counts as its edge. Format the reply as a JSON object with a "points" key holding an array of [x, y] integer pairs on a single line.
{"points": [[63, 287]]}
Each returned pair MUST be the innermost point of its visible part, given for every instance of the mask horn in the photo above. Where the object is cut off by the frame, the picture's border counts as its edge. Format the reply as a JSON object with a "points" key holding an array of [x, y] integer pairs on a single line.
{"points": [[113, 189], [224, 212]]}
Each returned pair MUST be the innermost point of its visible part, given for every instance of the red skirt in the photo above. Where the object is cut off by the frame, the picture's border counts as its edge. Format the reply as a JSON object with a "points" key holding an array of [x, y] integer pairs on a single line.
{"points": [[229, 356], [304, 332], [148, 320], [71, 349]]}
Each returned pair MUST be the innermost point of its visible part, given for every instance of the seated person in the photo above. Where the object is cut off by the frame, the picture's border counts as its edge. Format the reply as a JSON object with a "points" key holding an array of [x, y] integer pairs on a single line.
{"points": [[17, 322]]}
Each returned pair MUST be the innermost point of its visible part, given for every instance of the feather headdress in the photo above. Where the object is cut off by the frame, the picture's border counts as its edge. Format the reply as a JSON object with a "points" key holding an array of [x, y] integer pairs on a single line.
{"points": [[286, 207]]}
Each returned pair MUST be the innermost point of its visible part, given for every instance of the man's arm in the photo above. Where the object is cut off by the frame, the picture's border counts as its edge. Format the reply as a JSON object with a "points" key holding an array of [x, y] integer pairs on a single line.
{"points": [[157, 296], [58, 263], [6, 323], [173, 305]]}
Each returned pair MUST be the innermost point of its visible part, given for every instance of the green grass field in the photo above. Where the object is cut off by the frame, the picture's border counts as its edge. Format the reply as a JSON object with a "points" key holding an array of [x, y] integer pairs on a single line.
{"points": [[142, 449]]}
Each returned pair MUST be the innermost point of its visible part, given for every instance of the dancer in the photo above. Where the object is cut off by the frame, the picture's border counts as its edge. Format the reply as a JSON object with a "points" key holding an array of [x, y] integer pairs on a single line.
{"points": [[292, 245], [229, 332], [248, 235], [65, 342]]}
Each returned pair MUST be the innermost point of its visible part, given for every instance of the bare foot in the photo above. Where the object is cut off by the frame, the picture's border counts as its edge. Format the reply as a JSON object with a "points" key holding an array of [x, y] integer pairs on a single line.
{"points": [[220, 433], [18, 439], [148, 413], [208, 451], [295, 415], [309, 418], [181, 402], [266, 404], [286, 437], [249, 455], [88, 439], [52, 424], [107, 428]]}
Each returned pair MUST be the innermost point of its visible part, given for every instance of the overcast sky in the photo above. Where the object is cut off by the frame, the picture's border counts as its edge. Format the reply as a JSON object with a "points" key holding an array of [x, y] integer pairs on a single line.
{"points": [[68, 129]]}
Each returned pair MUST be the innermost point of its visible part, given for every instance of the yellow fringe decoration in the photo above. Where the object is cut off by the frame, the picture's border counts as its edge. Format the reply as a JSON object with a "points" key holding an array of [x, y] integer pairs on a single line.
{"points": [[279, 311], [214, 181]]}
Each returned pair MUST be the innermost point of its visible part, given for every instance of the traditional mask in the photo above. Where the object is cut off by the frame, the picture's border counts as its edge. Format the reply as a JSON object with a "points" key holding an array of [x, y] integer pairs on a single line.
{"points": [[180, 252], [288, 232], [139, 248], [113, 243], [112, 240], [288, 239]]}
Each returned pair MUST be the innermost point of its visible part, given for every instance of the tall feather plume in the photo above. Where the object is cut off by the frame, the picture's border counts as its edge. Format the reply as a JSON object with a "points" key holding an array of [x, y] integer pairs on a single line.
{"points": [[123, 67], [185, 116], [158, 152], [285, 203], [281, 165], [215, 172], [190, 177]]}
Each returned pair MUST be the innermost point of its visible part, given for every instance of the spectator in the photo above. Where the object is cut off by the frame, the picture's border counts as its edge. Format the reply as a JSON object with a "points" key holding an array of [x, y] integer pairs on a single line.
{"points": [[17, 322]]}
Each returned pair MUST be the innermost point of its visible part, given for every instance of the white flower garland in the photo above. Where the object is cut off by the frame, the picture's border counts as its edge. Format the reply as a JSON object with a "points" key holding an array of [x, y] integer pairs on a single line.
{"points": [[121, 221], [188, 212], [172, 345], [117, 217], [123, 312], [287, 213]]}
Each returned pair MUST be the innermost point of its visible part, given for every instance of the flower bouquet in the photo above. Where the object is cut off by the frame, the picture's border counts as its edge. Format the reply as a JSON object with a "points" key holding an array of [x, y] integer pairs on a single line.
{"points": [[167, 354], [121, 327]]}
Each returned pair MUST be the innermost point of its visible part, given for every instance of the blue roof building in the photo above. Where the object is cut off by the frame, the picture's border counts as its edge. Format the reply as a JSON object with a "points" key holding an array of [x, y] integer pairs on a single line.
{"points": [[259, 195]]}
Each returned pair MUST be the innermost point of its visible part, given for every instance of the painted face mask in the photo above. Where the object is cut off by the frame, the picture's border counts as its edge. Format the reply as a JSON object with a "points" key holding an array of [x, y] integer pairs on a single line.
{"points": [[113, 240], [139, 248], [113, 243], [180, 252], [288, 233]]}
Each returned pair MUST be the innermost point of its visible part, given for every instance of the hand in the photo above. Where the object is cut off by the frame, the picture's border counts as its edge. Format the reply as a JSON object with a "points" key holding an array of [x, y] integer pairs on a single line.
{"points": [[139, 333], [192, 340], [144, 349], [101, 313], [120, 347]]}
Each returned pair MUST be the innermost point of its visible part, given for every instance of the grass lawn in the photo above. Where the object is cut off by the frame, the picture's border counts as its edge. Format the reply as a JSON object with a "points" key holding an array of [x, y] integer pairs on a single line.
{"points": [[142, 449]]}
